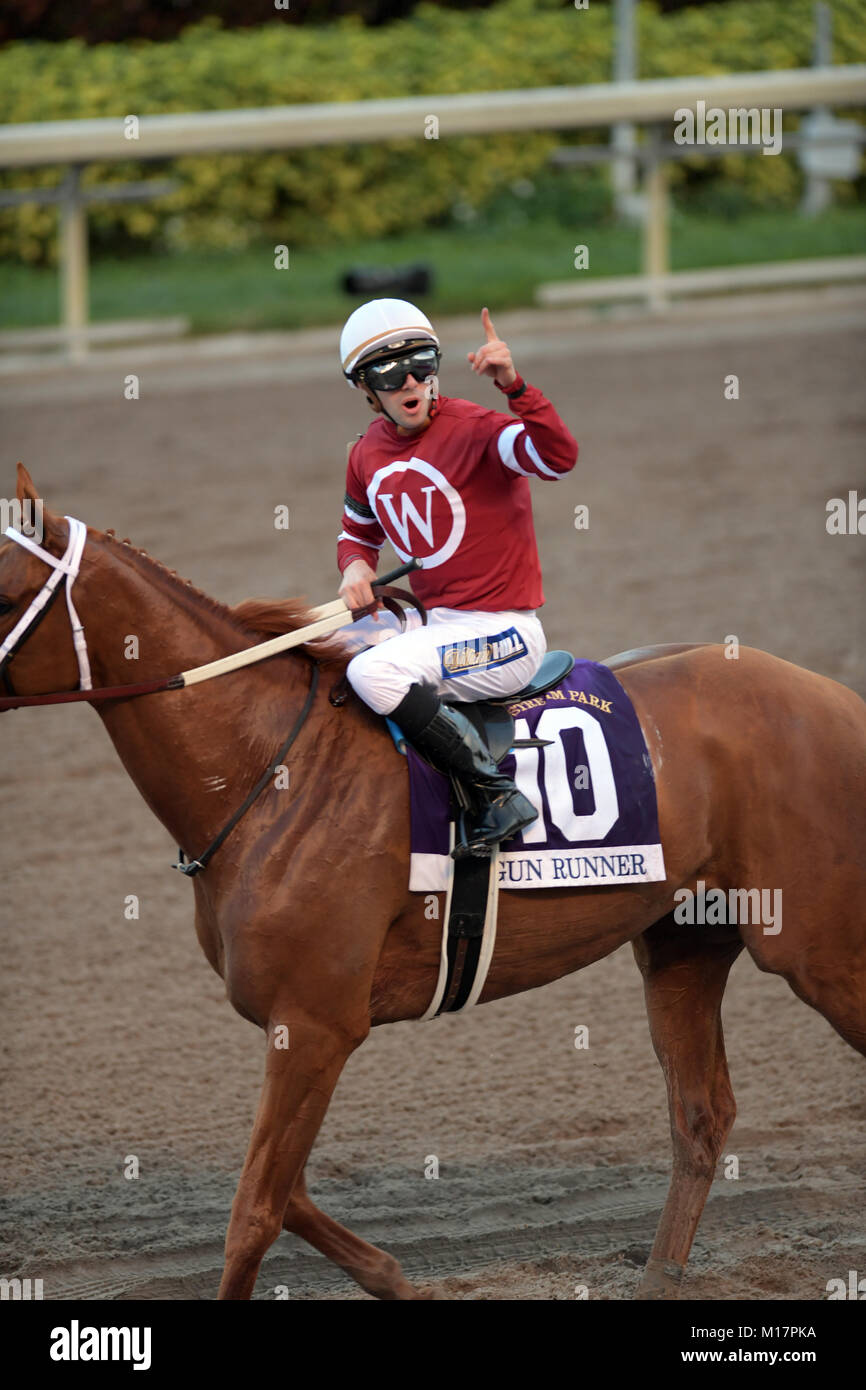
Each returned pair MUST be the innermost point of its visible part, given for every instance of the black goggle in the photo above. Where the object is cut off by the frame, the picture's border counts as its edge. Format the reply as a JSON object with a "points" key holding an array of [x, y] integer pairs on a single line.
{"points": [[391, 374]]}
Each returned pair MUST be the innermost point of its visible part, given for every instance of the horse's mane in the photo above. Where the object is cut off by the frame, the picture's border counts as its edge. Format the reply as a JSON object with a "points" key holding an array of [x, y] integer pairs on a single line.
{"points": [[253, 617], [266, 616]]}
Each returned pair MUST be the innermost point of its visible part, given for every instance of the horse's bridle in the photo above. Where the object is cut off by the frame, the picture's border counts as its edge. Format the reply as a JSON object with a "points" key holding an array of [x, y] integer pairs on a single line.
{"points": [[64, 573]]}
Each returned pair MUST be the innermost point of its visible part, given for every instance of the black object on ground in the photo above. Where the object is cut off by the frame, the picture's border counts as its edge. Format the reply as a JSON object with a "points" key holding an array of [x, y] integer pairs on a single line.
{"points": [[397, 281]]}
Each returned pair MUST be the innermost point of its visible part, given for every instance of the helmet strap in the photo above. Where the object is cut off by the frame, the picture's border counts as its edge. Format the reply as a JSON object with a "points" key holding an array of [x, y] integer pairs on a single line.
{"points": [[394, 422], [379, 409], [375, 404]]}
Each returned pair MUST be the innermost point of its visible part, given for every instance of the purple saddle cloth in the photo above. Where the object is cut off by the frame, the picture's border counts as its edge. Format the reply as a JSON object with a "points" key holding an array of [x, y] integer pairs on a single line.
{"points": [[592, 785]]}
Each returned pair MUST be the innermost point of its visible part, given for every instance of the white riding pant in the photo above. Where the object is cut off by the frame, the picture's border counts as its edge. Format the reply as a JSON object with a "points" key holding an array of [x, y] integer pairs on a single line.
{"points": [[465, 654]]}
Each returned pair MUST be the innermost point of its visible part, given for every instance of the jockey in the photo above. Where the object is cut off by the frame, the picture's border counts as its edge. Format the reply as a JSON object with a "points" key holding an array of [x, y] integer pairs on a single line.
{"points": [[447, 481]]}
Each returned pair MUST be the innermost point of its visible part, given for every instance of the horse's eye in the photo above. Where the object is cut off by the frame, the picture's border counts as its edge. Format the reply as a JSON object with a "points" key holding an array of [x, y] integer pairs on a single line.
{"points": [[6, 605]]}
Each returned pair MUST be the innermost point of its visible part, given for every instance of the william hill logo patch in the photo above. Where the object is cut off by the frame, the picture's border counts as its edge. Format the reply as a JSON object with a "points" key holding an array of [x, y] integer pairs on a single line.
{"points": [[482, 653]]}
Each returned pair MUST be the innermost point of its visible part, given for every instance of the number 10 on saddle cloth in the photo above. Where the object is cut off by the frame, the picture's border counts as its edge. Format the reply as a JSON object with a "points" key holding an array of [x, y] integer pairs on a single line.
{"points": [[592, 785]]}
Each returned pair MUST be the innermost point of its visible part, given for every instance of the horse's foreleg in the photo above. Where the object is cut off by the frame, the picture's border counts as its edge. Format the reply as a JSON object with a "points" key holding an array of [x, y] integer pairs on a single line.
{"points": [[299, 1081], [378, 1273], [684, 979]]}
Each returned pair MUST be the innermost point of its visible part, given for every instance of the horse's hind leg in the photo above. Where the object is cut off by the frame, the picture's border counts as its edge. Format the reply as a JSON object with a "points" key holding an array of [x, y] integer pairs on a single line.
{"points": [[685, 971], [825, 968], [299, 1083], [380, 1274]]}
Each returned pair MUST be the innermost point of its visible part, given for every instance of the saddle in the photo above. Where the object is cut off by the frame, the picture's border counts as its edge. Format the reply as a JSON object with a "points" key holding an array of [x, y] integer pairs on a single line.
{"points": [[491, 717]]}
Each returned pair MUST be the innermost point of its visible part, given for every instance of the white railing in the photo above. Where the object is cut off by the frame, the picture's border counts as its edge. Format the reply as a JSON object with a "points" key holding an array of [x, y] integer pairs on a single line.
{"points": [[354, 122], [653, 103]]}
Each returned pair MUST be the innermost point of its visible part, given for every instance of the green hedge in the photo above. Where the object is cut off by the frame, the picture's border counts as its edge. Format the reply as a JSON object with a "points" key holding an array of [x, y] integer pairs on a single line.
{"points": [[326, 194]]}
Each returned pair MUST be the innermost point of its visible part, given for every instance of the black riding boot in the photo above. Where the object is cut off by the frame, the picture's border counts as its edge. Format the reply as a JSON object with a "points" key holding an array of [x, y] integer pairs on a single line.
{"points": [[451, 743]]}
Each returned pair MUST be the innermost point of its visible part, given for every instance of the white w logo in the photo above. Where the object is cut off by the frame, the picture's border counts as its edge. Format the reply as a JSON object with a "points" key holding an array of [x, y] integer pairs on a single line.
{"points": [[450, 528], [408, 508]]}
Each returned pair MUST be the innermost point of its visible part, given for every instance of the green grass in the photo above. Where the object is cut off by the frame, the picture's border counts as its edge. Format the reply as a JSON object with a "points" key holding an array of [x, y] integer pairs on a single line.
{"points": [[499, 262]]}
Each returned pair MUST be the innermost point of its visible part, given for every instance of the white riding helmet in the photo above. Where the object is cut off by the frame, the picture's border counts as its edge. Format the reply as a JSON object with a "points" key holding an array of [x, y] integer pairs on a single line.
{"points": [[382, 326]]}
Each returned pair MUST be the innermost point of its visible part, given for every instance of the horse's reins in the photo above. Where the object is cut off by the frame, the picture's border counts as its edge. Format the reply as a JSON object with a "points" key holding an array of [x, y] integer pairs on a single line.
{"points": [[195, 866], [329, 617]]}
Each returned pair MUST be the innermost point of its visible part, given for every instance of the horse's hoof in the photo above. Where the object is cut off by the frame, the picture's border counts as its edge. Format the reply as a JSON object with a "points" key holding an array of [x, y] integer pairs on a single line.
{"points": [[661, 1280], [656, 1293]]}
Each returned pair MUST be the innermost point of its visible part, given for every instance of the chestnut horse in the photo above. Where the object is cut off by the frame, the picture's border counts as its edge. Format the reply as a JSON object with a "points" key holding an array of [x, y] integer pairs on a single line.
{"points": [[305, 911]]}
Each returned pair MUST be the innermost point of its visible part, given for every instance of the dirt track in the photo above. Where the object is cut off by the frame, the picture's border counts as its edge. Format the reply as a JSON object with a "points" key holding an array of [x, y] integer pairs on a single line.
{"points": [[707, 518]]}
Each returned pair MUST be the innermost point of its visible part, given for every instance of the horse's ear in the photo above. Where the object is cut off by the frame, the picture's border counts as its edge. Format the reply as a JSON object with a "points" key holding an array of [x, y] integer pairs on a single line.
{"points": [[50, 525], [26, 486]]}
